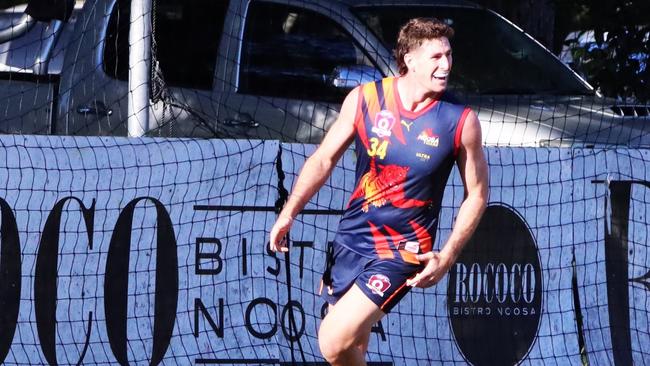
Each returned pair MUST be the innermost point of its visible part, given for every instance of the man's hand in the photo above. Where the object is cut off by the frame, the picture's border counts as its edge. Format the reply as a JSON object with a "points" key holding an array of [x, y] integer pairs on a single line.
{"points": [[436, 266], [278, 241]]}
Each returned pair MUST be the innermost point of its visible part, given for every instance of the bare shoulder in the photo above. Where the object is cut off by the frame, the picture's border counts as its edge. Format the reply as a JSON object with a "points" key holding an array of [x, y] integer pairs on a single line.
{"points": [[349, 106], [471, 158], [471, 136]]}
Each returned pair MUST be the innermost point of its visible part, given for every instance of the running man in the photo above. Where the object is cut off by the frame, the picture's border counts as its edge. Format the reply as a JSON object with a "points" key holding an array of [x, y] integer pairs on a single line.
{"points": [[407, 138]]}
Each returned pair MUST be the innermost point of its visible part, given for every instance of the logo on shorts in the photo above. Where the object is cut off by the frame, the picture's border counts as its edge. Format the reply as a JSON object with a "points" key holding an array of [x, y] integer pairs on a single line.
{"points": [[384, 122], [412, 246], [378, 283]]}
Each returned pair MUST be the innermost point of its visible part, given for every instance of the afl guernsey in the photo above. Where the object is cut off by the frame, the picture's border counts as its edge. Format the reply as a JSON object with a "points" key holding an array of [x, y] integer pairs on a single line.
{"points": [[404, 159]]}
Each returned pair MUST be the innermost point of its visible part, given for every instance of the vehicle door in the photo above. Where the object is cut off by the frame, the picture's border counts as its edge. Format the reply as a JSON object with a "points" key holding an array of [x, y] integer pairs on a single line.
{"points": [[291, 61], [91, 101], [94, 82], [28, 80]]}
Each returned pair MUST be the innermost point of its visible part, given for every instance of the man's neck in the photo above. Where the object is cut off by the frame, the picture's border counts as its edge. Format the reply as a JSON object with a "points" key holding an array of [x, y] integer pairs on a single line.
{"points": [[412, 95]]}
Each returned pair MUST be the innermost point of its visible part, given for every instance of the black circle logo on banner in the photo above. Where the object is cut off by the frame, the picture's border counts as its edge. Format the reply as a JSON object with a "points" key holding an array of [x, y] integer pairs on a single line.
{"points": [[494, 294]]}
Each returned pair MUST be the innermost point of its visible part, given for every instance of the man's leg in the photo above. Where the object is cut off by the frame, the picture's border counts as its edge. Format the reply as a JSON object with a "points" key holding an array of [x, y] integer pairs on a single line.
{"points": [[363, 346], [344, 333]]}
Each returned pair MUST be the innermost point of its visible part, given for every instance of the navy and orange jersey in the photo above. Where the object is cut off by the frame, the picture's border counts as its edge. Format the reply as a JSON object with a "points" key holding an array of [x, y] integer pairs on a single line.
{"points": [[404, 159]]}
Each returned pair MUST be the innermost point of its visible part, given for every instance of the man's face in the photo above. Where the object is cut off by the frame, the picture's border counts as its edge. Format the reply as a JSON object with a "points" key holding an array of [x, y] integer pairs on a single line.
{"points": [[431, 63]]}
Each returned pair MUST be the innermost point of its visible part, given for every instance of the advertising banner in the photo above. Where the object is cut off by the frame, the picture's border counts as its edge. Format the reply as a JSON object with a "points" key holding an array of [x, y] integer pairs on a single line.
{"points": [[155, 251]]}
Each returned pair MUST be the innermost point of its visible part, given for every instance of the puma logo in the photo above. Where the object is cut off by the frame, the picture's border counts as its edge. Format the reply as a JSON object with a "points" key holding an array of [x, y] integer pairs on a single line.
{"points": [[407, 125]]}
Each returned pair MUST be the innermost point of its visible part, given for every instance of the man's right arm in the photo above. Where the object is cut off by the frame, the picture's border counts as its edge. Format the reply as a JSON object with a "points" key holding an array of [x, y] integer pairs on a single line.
{"points": [[316, 170]]}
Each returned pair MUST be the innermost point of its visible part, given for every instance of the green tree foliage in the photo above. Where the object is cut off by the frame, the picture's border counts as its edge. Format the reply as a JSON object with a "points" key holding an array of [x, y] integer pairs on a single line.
{"points": [[617, 60]]}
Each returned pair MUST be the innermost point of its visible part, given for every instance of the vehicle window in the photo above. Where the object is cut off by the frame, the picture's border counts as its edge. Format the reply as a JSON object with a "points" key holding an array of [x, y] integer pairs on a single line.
{"points": [[187, 34], [10, 16], [6, 4], [291, 52], [490, 55]]}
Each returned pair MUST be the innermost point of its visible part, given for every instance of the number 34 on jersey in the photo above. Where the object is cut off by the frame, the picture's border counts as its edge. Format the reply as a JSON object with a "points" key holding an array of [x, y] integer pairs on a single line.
{"points": [[377, 148]]}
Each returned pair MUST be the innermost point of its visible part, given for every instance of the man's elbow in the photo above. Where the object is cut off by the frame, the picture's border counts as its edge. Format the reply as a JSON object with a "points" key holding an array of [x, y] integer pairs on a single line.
{"points": [[483, 197], [320, 163], [483, 187], [479, 196]]}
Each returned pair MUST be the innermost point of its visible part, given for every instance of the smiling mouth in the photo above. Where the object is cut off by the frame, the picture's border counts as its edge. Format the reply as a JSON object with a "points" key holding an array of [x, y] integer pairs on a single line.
{"points": [[441, 76]]}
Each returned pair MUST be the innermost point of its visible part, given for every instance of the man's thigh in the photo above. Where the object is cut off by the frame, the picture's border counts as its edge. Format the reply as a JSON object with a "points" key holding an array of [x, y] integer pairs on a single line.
{"points": [[351, 318]]}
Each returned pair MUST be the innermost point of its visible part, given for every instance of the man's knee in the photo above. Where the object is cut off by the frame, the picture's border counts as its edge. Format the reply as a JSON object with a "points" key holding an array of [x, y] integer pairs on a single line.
{"points": [[333, 344], [329, 346], [343, 334]]}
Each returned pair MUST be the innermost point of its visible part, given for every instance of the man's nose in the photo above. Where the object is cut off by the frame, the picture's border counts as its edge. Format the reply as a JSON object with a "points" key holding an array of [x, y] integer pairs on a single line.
{"points": [[445, 63]]}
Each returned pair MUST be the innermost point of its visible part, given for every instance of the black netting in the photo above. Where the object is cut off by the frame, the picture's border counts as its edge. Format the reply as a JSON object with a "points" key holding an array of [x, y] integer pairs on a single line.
{"points": [[276, 70], [153, 250]]}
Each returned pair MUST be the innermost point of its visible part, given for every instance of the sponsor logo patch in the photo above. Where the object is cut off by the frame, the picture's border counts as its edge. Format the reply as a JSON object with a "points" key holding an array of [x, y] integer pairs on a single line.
{"points": [[422, 156], [412, 246], [407, 125], [383, 124], [429, 138], [378, 283]]}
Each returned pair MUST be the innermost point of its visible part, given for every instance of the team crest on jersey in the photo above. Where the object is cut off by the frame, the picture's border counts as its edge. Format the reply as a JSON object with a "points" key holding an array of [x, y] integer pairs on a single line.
{"points": [[383, 124], [429, 138], [378, 283]]}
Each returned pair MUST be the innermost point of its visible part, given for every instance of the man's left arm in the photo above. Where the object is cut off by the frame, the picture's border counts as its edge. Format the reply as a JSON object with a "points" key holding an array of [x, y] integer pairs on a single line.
{"points": [[474, 173]]}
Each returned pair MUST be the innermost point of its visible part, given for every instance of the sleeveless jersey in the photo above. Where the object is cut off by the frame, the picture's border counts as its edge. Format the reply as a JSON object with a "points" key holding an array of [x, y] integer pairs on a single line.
{"points": [[403, 162]]}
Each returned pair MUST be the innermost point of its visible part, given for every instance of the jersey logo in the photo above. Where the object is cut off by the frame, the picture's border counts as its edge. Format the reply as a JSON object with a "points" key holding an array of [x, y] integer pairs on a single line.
{"points": [[422, 156], [386, 185], [383, 124], [378, 283], [407, 125], [412, 246], [429, 138]]}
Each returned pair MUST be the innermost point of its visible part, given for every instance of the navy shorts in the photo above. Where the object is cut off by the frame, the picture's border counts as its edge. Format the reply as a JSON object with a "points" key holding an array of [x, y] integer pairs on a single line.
{"points": [[382, 280]]}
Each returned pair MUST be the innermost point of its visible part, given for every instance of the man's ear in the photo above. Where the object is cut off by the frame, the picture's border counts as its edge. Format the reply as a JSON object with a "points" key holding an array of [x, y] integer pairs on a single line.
{"points": [[409, 60]]}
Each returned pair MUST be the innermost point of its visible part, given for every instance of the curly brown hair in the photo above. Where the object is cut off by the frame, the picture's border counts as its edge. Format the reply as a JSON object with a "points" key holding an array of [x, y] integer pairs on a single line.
{"points": [[416, 31]]}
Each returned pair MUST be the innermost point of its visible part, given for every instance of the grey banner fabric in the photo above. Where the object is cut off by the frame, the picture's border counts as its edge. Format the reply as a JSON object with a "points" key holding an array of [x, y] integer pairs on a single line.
{"points": [[120, 250]]}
